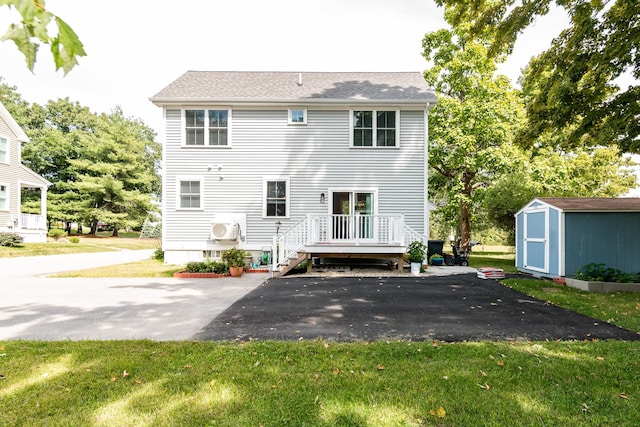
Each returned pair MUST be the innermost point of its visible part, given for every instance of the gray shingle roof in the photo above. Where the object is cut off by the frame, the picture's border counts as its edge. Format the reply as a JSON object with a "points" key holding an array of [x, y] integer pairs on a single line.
{"points": [[284, 86], [593, 203]]}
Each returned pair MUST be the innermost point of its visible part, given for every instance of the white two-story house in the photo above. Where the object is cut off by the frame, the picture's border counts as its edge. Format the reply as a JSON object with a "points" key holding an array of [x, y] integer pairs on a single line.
{"points": [[14, 177], [309, 165]]}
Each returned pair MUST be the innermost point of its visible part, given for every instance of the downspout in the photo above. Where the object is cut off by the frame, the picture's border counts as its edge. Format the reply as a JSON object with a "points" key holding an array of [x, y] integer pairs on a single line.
{"points": [[426, 173]]}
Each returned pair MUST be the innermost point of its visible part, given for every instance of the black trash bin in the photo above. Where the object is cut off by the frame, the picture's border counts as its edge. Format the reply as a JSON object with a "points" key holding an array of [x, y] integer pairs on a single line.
{"points": [[434, 247]]}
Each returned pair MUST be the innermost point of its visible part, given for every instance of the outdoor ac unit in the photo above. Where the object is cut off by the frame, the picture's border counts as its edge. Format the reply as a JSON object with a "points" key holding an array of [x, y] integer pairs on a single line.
{"points": [[224, 230]]}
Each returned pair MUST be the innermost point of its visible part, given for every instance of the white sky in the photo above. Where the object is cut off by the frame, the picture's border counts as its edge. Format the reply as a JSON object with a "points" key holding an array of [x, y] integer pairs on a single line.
{"points": [[137, 47]]}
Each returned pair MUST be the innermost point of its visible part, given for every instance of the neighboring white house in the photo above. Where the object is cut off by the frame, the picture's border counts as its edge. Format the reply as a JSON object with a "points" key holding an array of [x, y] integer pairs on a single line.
{"points": [[14, 176], [311, 164]]}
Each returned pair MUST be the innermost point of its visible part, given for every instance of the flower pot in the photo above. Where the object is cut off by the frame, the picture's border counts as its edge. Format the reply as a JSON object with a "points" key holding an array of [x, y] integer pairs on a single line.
{"points": [[437, 261], [416, 267], [235, 271]]}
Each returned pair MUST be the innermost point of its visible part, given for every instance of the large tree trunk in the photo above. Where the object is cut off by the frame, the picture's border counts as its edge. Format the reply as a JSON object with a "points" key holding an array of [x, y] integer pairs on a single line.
{"points": [[115, 231], [465, 226], [465, 211]]}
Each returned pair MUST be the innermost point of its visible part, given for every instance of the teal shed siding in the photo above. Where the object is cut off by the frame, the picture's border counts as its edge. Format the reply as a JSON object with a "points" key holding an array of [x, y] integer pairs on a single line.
{"points": [[555, 241], [611, 238]]}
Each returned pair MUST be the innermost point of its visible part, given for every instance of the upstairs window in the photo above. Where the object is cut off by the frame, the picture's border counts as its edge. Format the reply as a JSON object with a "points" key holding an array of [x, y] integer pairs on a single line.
{"points": [[4, 150], [190, 196], [374, 128], [206, 128], [298, 116]]}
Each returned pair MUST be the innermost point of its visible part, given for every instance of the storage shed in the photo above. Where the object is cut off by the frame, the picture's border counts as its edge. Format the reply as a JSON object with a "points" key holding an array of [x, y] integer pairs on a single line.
{"points": [[556, 236]]}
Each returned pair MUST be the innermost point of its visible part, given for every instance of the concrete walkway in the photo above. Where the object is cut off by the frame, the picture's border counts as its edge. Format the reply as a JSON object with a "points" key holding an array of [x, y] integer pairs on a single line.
{"points": [[38, 308]]}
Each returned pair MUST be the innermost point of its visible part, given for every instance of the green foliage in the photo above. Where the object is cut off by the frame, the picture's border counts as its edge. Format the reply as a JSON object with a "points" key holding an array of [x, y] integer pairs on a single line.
{"points": [[74, 239], [207, 267], [56, 233], [34, 29], [103, 167], [416, 251], [601, 273], [158, 254], [10, 239], [435, 257], [572, 85], [472, 126], [234, 257]]}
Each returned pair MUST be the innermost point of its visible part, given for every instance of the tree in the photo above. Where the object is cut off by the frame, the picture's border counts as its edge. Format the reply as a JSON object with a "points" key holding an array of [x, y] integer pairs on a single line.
{"points": [[34, 29], [571, 85], [103, 167], [475, 118], [550, 172]]}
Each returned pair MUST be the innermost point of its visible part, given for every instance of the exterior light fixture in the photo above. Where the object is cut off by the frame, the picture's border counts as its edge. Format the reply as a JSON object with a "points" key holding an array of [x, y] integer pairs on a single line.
{"points": [[322, 199]]}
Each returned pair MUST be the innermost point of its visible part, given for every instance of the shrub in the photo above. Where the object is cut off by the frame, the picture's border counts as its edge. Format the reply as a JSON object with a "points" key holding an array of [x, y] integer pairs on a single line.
{"points": [[56, 233], [206, 267], [10, 239], [601, 273], [158, 254], [416, 251], [74, 239]]}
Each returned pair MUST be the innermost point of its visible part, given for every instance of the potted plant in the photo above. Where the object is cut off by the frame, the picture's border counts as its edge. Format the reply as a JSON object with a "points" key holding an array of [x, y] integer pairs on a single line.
{"points": [[235, 260], [416, 252], [436, 259]]}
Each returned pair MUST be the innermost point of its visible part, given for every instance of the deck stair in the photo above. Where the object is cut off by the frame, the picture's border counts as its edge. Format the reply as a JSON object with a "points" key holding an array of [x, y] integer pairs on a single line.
{"points": [[342, 236]]}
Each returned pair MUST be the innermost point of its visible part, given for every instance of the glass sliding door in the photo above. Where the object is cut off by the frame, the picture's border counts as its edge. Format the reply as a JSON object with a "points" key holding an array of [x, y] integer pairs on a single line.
{"points": [[352, 215]]}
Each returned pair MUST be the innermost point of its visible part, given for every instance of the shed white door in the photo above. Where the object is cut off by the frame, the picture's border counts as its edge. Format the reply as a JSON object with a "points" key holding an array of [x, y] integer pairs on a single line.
{"points": [[536, 240]]}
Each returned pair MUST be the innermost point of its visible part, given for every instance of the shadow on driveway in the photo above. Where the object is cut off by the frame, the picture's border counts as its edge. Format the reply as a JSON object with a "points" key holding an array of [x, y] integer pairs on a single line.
{"points": [[447, 308]]}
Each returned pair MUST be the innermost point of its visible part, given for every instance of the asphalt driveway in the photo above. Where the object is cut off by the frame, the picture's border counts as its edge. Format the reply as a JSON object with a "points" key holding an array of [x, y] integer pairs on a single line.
{"points": [[446, 308]]}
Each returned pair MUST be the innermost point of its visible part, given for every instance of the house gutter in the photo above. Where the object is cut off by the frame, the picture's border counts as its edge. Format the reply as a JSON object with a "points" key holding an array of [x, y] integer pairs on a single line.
{"points": [[426, 172]]}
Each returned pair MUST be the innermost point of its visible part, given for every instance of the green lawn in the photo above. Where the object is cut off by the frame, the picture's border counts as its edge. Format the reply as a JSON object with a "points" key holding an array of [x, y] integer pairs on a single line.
{"points": [[86, 244], [146, 268], [144, 383]]}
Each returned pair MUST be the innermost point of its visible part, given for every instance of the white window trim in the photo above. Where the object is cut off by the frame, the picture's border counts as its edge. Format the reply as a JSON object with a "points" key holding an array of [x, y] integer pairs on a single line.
{"points": [[183, 124], [178, 194], [290, 116], [374, 128], [7, 160], [264, 195], [7, 207]]}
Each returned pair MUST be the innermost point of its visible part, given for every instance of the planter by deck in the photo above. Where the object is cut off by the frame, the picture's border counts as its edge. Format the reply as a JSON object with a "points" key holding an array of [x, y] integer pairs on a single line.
{"points": [[602, 286]]}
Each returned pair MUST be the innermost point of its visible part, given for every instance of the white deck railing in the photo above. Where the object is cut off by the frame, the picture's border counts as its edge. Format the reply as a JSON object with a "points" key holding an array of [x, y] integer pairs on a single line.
{"points": [[383, 230], [32, 222]]}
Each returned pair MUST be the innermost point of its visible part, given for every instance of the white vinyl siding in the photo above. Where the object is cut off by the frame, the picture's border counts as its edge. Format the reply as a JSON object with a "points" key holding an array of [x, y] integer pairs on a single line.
{"points": [[314, 158]]}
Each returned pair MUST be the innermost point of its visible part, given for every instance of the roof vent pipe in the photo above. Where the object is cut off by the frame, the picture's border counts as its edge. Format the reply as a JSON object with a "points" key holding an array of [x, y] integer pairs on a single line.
{"points": [[299, 79]]}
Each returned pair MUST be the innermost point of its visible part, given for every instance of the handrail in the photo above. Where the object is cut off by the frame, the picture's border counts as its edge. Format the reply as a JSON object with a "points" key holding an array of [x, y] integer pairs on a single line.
{"points": [[290, 242], [341, 229]]}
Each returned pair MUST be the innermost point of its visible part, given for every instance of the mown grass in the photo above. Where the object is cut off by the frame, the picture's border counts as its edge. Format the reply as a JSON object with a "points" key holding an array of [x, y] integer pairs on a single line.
{"points": [[619, 308], [147, 383], [505, 261], [146, 268], [86, 244]]}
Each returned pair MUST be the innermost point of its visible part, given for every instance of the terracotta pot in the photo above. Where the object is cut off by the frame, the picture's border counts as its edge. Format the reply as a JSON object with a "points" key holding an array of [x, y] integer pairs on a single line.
{"points": [[235, 271]]}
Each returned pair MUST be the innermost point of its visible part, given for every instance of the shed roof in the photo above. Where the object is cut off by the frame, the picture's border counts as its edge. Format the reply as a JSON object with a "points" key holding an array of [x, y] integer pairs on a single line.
{"points": [[593, 203], [229, 86]]}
